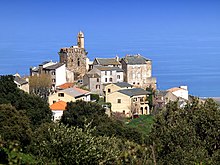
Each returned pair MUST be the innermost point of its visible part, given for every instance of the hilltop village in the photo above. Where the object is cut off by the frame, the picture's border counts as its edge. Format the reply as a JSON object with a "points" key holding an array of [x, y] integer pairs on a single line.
{"points": [[105, 111], [125, 84]]}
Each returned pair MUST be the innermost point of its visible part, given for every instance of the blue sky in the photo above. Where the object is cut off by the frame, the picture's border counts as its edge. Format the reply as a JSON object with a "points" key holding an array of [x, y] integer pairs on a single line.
{"points": [[181, 37]]}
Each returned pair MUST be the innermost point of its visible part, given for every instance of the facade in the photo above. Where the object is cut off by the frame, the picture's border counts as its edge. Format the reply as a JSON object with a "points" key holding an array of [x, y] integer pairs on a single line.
{"points": [[57, 110], [129, 101], [75, 57], [21, 83], [138, 71], [69, 94], [181, 92], [101, 75]]}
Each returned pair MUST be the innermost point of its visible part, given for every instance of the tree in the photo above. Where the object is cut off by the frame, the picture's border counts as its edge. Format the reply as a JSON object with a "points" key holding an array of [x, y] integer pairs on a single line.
{"points": [[80, 113], [40, 85], [73, 145], [187, 136], [33, 106], [14, 125]]}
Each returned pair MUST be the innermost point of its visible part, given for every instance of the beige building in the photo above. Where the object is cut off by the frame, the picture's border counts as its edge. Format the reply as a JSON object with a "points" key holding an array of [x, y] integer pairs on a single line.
{"points": [[21, 83], [129, 101], [75, 57], [113, 87], [69, 94], [138, 71]]}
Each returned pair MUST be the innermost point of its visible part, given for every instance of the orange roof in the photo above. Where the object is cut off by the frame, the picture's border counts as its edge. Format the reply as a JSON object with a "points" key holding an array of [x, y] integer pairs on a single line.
{"points": [[60, 105], [175, 89], [65, 85]]}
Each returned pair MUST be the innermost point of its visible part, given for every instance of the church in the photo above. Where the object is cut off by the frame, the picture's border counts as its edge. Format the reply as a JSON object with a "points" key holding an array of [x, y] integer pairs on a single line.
{"points": [[75, 57]]}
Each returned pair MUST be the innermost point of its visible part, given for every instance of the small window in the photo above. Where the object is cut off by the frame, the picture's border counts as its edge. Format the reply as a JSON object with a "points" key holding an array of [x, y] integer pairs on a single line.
{"points": [[53, 80], [109, 90], [60, 94], [124, 112], [97, 86], [133, 82], [97, 79], [54, 101], [138, 83], [105, 72], [110, 79], [110, 72], [106, 79], [118, 77], [119, 100], [53, 73], [78, 62]]}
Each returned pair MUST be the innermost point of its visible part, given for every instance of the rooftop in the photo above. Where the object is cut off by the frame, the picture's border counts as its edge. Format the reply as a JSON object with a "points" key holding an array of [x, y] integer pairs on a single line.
{"points": [[19, 80], [55, 66], [134, 92], [175, 89], [60, 105], [75, 92], [65, 86], [123, 84], [135, 59], [107, 61], [93, 75]]}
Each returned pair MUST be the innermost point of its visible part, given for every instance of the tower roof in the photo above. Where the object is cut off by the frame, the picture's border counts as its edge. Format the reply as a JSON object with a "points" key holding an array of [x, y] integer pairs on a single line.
{"points": [[80, 34]]}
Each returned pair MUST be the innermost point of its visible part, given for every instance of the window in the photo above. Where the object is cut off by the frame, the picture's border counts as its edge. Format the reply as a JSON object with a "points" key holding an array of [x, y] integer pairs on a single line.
{"points": [[133, 82], [119, 100], [124, 112], [54, 101], [110, 79], [97, 86], [60, 94], [78, 62], [105, 72], [53, 73], [118, 77], [138, 83], [110, 72], [53, 80], [97, 79], [109, 90], [106, 79]]}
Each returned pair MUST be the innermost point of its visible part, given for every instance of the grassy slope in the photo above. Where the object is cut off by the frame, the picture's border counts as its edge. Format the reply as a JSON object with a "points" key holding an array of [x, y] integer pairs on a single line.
{"points": [[143, 123]]}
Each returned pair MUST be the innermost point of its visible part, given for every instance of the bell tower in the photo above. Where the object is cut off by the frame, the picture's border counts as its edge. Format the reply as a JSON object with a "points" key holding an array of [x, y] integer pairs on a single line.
{"points": [[80, 40]]}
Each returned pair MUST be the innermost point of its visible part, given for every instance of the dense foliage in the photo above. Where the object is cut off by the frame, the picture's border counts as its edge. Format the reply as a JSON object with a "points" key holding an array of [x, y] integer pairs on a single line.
{"points": [[80, 113], [188, 136]]}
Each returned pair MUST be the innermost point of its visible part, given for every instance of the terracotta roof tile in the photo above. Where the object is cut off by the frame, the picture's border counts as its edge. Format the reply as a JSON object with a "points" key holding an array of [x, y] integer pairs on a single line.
{"points": [[65, 85], [60, 105]]}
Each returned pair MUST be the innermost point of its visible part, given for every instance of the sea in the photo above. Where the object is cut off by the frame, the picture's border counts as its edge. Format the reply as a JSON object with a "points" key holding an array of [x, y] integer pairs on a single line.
{"points": [[191, 60]]}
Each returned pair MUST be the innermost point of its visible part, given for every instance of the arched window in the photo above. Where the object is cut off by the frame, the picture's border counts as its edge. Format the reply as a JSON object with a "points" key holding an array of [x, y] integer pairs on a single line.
{"points": [[78, 62]]}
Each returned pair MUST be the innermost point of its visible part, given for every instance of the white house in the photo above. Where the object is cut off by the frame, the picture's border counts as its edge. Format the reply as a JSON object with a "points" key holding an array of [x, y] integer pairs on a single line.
{"points": [[181, 92], [57, 109]]}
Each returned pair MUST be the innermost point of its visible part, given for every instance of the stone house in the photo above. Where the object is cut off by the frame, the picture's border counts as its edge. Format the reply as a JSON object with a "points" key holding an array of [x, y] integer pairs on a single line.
{"points": [[100, 75], [129, 101], [75, 57], [57, 109], [138, 71], [69, 94], [21, 83]]}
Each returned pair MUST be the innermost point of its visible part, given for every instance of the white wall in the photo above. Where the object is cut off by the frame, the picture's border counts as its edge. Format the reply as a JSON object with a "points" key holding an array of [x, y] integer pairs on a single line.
{"points": [[57, 114], [181, 93], [61, 75]]}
